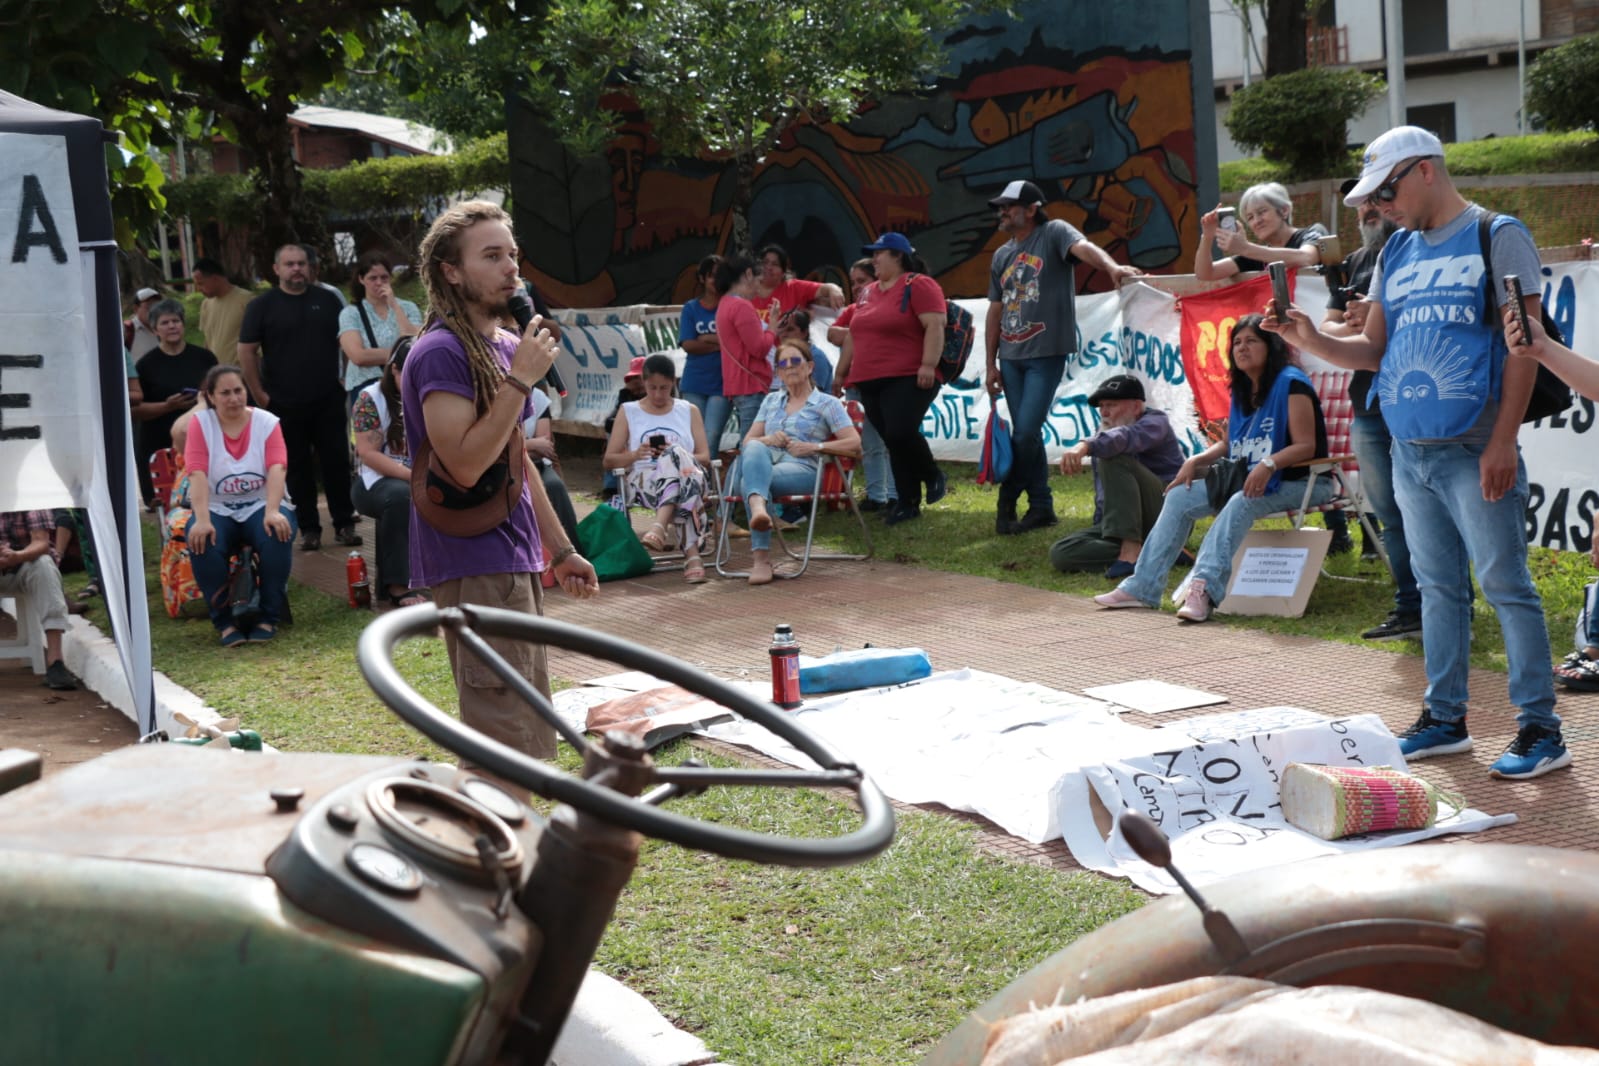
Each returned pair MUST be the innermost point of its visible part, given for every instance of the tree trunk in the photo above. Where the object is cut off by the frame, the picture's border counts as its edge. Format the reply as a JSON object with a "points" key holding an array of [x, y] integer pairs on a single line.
{"points": [[1286, 24], [743, 196], [287, 217]]}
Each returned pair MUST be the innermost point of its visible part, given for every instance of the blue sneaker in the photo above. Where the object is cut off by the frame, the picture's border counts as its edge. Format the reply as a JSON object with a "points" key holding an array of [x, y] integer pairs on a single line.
{"points": [[1433, 736], [1535, 751]]}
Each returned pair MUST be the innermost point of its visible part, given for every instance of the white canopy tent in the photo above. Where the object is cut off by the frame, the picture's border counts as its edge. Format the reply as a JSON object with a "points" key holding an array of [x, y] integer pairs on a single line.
{"points": [[65, 432]]}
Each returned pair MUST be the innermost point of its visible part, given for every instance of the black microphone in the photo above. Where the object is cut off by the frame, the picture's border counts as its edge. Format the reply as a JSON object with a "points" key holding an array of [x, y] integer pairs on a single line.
{"points": [[522, 310]]}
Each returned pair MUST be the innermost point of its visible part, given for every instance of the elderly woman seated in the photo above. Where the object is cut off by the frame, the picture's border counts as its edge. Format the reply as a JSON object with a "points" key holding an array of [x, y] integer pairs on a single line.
{"points": [[236, 460], [1275, 422], [780, 454], [661, 440]]}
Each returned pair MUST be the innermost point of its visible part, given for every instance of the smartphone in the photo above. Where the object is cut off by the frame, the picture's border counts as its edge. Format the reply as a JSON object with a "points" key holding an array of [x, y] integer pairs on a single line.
{"points": [[189, 392], [1279, 289], [1514, 298], [1227, 217], [658, 441]]}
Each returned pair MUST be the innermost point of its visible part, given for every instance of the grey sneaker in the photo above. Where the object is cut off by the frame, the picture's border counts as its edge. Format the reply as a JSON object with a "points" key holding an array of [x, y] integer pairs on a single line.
{"points": [[58, 677]]}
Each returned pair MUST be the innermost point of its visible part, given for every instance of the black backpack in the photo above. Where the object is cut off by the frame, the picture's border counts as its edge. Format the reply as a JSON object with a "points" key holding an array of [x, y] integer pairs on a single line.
{"points": [[1550, 395], [960, 333]]}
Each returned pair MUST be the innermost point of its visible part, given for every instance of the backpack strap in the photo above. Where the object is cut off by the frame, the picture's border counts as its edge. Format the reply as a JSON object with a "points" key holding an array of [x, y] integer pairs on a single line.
{"points": [[905, 294], [1485, 226]]}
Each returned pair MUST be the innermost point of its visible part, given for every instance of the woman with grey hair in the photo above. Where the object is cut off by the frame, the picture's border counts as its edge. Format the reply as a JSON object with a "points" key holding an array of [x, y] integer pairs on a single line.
{"points": [[169, 378], [1269, 214]]}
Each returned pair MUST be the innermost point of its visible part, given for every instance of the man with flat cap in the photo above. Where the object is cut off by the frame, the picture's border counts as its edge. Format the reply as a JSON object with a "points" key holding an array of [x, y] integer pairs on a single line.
{"points": [[1135, 457], [1030, 332]]}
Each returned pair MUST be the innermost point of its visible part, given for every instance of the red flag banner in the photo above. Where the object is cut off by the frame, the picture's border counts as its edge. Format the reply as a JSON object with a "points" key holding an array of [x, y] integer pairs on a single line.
{"points": [[1207, 330]]}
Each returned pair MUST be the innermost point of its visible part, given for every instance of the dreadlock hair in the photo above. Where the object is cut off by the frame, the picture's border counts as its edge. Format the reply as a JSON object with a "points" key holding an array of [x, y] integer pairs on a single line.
{"points": [[389, 387], [447, 308]]}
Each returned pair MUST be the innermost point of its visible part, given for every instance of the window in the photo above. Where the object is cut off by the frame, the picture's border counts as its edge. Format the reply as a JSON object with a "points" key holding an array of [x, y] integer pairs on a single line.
{"points": [[1440, 118], [1426, 26]]}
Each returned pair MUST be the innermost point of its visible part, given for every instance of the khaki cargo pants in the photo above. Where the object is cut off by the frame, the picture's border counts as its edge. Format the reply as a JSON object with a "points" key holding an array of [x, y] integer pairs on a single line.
{"points": [[486, 704]]}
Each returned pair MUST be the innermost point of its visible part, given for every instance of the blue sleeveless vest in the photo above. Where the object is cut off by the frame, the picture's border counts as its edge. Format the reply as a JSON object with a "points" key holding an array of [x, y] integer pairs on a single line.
{"points": [[1445, 357], [1265, 431]]}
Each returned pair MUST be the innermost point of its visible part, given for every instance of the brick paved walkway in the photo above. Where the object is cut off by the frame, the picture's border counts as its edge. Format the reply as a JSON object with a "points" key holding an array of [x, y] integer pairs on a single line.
{"points": [[1066, 642]]}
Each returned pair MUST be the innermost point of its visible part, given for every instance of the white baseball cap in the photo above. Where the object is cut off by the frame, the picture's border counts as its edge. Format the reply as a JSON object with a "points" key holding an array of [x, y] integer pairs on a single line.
{"points": [[1385, 153], [146, 294]]}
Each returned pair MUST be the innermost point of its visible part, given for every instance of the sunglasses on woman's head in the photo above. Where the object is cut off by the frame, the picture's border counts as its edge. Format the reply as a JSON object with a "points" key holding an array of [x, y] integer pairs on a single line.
{"points": [[1390, 188]]}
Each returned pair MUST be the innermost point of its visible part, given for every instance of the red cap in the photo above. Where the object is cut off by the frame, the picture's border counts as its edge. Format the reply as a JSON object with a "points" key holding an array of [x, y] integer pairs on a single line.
{"points": [[635, 369]]}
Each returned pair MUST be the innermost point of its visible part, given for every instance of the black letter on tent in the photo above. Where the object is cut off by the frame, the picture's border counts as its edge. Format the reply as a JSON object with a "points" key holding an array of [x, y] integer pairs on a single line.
{"points": [[33, 204], [18, 400]]}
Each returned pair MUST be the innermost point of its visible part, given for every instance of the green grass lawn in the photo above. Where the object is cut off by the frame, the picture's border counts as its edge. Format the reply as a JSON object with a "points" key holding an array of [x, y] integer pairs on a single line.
{"points": [[1536, 153], [867, 964]]}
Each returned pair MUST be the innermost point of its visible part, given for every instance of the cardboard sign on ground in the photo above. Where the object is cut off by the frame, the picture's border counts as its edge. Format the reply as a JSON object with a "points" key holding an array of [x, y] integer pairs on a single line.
{"points": [[1274, 572]]}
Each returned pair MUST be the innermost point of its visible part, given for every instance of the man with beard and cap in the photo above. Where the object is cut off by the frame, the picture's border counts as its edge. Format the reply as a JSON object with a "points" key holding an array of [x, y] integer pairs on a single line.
{"points": [[1346, 317], [1454, 400], [1030, 332], [1135, 455]]}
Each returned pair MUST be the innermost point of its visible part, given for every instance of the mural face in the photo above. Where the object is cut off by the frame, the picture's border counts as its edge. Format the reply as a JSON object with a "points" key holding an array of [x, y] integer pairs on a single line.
{"points": [[1093, 103]]}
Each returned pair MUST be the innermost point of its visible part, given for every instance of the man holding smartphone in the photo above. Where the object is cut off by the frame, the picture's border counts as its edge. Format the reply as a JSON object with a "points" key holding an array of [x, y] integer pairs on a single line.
{"points": [[169, 379], [1453, 402]]}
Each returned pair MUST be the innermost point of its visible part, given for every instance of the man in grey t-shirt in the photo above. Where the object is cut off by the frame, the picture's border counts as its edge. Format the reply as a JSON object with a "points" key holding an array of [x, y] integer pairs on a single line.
{"points": [[1030, 332]]}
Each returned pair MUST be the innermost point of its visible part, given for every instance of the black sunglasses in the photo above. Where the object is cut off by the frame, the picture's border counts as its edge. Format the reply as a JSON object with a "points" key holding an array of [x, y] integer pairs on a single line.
{"points": [[1390, 188]]}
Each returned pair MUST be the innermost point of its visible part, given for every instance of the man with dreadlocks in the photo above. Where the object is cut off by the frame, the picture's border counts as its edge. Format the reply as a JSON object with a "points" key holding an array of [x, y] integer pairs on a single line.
{"points": [[467, 388]]}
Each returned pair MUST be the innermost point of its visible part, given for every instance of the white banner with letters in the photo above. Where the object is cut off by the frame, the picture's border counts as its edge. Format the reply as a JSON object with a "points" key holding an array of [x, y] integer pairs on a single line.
{"points": [[1132, 331], [50, 453]]}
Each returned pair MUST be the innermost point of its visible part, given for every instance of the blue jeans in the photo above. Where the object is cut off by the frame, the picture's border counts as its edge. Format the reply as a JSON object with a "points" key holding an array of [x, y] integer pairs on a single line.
{"points": [[746, 407], [1439, 489], [1214, 565], [713, 412], [1030, 386], [212, 572], [764, 472], [874, 459], [1368, 435]]}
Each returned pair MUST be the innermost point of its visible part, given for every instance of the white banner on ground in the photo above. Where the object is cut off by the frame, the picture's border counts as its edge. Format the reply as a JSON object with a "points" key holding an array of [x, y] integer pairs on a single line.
{"points": [[969, 740], [50, 452], [1215, 796]]}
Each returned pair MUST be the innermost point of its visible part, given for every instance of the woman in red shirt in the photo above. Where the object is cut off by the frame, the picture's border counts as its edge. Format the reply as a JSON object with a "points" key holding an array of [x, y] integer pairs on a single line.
{"points": [[890, 354], [776, 291], [746, 342]]}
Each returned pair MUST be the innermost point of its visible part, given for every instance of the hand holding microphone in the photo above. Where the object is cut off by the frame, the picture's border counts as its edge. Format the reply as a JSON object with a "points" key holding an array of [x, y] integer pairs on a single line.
{"points": [[522, 310]]}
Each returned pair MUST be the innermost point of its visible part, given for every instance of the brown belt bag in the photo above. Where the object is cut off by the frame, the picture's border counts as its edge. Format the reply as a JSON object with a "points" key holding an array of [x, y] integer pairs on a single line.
{"points": [[458, 510]]}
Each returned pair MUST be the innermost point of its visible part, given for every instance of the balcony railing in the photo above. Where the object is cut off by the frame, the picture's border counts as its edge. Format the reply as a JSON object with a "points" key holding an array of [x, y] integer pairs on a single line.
{"points": [[1327, 46]]}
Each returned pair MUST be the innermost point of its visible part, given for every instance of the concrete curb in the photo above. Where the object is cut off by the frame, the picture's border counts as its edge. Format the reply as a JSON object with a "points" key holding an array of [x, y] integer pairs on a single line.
{"points": [[93, 657]]}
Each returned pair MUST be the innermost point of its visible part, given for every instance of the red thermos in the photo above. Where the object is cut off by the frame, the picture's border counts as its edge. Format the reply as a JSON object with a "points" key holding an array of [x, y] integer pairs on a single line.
{"points": [[355, 577], [785, 669]]}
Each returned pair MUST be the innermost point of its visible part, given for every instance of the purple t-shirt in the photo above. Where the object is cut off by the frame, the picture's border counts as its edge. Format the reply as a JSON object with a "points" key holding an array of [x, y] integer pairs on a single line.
{"points": [[438, 363]]}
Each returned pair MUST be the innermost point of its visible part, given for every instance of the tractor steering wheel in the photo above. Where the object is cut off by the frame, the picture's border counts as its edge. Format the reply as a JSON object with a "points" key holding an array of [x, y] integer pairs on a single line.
{"points": [[469, 623]]}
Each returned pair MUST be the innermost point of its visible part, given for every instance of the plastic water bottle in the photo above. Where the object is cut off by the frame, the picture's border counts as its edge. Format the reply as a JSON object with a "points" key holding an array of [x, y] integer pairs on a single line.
{"points": [[785, 668]]}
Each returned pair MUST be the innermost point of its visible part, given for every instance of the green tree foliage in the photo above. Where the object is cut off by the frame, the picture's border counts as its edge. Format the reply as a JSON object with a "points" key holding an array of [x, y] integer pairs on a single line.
{"points": [[1302, 119], [721, 77], [1561, 86], [240, 69]]}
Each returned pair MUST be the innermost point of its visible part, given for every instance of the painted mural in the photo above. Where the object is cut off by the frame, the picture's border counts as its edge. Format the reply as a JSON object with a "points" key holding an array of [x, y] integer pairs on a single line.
{"points": [[1093, 102]]}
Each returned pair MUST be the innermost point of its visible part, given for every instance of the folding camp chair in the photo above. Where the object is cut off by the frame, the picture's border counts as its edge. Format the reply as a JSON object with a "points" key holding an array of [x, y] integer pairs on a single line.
{"points": [[832, 489], [1337, 411]]}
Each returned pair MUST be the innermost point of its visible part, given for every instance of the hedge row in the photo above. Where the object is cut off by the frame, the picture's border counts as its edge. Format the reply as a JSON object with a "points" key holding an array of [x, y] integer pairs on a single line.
{"points": [[400, 185]]}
